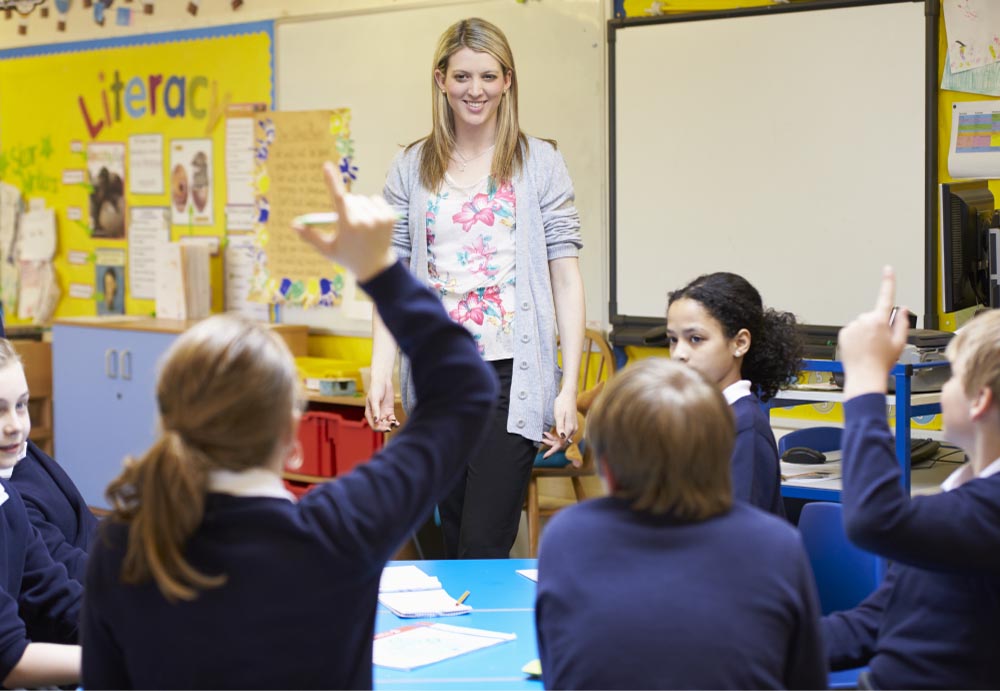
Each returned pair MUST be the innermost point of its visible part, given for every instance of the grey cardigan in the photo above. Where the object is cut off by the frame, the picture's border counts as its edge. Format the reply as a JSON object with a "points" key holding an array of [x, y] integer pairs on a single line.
{"points": [[546, 227]]}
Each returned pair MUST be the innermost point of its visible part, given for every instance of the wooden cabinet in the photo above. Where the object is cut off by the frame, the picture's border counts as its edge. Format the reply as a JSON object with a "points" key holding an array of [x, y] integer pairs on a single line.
{"points": [[37, 359], [104, 381]]}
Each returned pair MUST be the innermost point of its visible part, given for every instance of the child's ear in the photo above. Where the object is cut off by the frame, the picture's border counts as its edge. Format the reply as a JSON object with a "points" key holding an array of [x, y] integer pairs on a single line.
{"points": [[741, 343], [982, 403]]}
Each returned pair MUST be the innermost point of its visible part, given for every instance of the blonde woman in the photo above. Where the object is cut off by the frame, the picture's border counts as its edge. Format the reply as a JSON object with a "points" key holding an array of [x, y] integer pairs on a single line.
{"points": [[209, 574], [487, 220]]}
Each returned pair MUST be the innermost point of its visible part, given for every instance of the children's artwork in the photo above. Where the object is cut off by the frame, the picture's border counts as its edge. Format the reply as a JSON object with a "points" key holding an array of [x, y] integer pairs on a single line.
{"points": [[291, 149], [10, 210], [38, 291], [106, 172], [973, 30], [191, 181], [983, 80], [37, 235], [109, 286]]}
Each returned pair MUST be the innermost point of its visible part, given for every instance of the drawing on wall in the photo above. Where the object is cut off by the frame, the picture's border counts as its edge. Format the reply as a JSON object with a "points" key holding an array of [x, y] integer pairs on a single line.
{"points": [[106, 171], [190, 181], [973, 30]]}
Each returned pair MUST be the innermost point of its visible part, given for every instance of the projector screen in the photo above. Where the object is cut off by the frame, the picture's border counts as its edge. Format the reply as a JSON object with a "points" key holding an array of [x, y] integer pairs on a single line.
{"points": [[784, 146]]}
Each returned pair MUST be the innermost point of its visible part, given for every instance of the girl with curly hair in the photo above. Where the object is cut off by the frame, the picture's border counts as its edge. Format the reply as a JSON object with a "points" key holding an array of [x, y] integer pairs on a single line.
{"points": [[718, 325]]}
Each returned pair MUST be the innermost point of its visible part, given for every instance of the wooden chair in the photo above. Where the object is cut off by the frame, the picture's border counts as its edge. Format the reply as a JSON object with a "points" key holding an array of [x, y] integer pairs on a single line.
{"points": [[596, 365]]}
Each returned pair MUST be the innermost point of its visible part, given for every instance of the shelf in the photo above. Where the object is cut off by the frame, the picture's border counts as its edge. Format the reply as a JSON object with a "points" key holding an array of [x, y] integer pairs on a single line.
{"points": [[809, 396]]}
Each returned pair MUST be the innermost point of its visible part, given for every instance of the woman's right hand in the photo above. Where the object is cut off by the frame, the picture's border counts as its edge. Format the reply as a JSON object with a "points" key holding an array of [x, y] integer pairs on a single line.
{"points": [[380, 405]]}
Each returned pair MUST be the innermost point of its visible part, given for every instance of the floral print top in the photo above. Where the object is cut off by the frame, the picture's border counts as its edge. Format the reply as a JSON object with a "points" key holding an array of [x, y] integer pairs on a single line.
{"points": [[470, 260]]}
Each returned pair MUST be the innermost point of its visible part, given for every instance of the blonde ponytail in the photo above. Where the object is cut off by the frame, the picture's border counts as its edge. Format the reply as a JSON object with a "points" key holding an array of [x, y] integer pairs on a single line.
{"points": [[227, 394], [162, 495]]}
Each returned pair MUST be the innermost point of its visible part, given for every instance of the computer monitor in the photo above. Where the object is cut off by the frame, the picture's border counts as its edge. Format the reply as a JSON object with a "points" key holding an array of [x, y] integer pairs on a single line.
{"points": [[967, 214]]}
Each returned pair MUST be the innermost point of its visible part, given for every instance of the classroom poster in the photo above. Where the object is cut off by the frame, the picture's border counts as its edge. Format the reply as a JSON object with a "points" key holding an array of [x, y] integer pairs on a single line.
{"points": [[106, 180], [973, 31], [291, 149], [191, 176], [136, 108], [109, 286]]}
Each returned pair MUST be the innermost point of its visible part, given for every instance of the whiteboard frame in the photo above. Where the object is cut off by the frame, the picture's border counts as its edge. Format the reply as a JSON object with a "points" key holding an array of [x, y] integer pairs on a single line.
{"points": [[638, 329]]}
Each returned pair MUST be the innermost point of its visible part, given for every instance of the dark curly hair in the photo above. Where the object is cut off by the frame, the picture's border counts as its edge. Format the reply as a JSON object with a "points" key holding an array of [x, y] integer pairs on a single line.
{"points": [[775, 346]]}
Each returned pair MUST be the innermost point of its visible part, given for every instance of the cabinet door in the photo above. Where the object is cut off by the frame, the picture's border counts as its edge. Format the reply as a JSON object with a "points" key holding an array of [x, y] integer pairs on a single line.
{"points": [[104, 395]]}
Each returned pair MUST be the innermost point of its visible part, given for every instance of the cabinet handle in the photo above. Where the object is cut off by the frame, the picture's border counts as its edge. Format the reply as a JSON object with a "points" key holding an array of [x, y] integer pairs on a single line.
{"points": [[125, 358], [111, 363]]}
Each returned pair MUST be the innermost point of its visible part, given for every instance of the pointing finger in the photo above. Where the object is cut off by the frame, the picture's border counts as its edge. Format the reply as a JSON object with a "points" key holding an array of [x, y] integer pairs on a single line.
{"points": [[886, 294]]}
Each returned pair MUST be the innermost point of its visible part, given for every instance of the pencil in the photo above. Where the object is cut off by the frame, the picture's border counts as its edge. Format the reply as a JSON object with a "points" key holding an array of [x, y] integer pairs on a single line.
{"points": [[462, 599]]}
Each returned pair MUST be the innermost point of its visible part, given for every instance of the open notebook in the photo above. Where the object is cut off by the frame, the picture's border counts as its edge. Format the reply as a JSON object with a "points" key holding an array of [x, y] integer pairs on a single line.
{"points": [[409, 647], [410, 593]]}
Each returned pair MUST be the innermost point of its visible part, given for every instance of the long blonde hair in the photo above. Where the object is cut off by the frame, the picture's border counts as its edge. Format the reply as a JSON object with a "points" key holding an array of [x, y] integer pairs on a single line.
{"points": [[226, 395], [483, 37]]}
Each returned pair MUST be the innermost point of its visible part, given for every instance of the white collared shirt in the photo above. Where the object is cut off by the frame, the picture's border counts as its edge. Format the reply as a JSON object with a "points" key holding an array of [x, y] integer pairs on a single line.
{"points": [[253, 482], [965, 474], [7, 473], [736, 391]]}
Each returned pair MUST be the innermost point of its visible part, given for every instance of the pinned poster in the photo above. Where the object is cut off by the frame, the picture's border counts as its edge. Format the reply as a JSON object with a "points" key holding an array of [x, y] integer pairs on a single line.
{"points": [[145, 161], [973, 30], [106, 174], [149, 228], [191, 181], [974, 151], [291, 149], [109, 286]]}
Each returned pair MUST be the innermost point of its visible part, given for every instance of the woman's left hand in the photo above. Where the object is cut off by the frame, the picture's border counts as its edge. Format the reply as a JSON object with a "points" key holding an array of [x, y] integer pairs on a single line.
{"points": [[566, 424]]}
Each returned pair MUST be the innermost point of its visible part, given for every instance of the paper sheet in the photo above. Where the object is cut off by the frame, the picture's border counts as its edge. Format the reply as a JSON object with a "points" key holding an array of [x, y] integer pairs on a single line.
{"points": [[150, 226], [38, 235], [397, 579], [239, 266], [973, 30], [410, 647], [422, 603], [145, 158], [530, 574], [974, 151]]}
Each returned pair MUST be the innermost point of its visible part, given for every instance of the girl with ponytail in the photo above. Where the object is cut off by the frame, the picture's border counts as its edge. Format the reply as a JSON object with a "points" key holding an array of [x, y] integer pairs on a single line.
{"points": [[208, 574], [718, 325]]}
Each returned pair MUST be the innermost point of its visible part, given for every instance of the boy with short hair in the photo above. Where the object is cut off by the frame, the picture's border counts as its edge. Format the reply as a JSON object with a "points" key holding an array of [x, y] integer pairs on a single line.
{"points": [[669, 583], [935, 620]]}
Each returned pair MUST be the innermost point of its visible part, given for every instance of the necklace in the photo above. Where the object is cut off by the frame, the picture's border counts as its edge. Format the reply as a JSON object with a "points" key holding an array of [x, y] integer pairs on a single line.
{"points": [[462, 161]]}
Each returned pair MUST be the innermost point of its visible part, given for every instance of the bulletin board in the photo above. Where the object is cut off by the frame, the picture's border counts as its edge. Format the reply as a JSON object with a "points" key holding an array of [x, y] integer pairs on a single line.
{"points": [[123, 139], [788, 145], [378, 64]]}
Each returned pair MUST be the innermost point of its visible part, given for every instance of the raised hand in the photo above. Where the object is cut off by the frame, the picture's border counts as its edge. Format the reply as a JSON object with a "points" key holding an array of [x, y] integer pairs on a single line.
{"points": [[869, 346], [363, 236]]}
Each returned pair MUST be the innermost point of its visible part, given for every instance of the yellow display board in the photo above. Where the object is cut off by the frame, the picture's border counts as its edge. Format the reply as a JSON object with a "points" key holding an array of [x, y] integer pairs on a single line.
{"points": [[125, 139]]}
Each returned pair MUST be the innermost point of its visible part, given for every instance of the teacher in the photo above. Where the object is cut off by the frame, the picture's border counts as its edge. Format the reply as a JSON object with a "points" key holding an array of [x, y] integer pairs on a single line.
{"points": [[487, 219]]}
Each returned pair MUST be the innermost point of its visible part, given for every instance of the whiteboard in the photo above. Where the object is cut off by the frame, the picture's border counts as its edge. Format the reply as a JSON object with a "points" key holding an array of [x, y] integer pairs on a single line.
{"points": [[378, 63], [786, 147]]}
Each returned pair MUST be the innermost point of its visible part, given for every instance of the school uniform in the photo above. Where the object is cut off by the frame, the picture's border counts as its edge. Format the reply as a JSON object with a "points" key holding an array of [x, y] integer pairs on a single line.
{"points": [[38, 601], [297, 609], [935, 620], [756, 470], [56, 508], [627, 599]]}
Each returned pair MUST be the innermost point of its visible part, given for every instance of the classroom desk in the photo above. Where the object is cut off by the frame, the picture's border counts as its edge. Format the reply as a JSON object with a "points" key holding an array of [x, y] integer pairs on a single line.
{"points": [[502, 600]]}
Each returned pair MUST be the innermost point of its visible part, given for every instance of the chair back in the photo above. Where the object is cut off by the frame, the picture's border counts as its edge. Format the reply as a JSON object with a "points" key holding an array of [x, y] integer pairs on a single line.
{"points": [[845, 575], [820, 438]]}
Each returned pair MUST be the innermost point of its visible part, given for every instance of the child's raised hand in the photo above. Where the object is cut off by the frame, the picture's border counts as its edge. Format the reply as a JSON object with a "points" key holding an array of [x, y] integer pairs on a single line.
{"points": [[869, 346], [362, 240]]}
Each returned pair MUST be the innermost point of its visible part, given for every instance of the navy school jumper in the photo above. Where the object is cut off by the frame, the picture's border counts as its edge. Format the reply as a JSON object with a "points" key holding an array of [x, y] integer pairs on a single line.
{"points": [[56, 508], [37, 598], [298, 607], [756, 471], [935, 620], [631, 600]]}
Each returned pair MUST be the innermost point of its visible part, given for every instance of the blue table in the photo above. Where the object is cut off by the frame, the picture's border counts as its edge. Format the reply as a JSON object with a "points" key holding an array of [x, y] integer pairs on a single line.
{"points": [[502, 600]]}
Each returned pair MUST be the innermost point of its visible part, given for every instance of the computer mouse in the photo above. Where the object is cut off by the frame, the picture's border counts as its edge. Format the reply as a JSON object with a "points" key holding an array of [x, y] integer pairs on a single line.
{"points": [[803, 454]]}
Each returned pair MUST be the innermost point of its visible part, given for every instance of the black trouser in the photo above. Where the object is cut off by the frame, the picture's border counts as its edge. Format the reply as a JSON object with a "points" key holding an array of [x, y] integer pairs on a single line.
{"points": [[481, 515]]}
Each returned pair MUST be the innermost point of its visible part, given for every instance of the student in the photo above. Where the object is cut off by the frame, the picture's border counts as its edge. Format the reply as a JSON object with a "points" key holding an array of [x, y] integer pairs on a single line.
{"points": [[54, 505], [717, 324], [669, 583], [208, 574], [508, 277], [935, 620]]}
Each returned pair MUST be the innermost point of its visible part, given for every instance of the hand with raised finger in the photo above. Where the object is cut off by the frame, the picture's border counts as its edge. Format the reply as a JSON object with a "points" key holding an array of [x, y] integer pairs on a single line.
{"points": [[362, 238], [869, 345]]}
